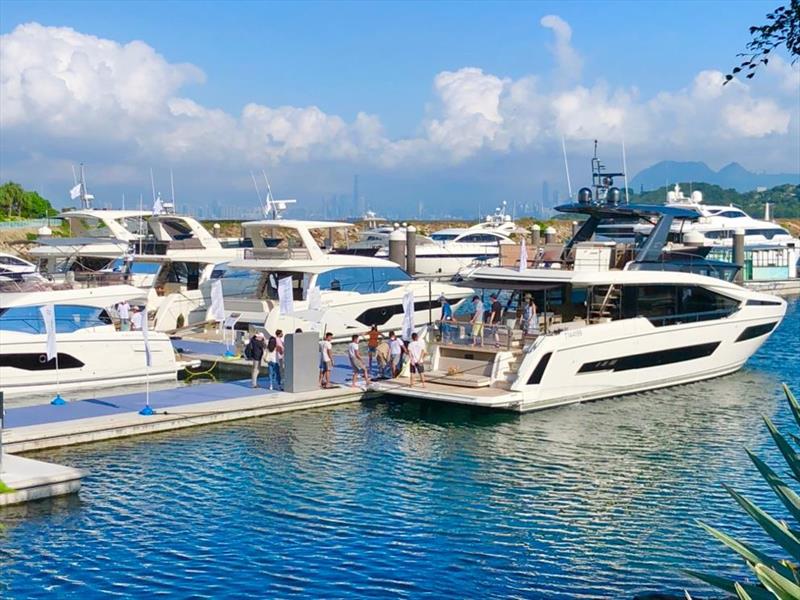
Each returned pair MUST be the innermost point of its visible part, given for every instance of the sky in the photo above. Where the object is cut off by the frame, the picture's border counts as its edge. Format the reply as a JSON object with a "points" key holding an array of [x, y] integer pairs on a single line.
{"points": [[443, 107]]}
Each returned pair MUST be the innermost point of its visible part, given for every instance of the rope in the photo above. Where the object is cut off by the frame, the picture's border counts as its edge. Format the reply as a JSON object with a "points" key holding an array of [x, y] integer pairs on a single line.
{"points": [[207, 373]]}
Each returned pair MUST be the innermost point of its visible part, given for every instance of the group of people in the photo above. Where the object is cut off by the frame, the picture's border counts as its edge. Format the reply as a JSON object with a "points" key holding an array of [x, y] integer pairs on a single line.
{"points": [[529, 320], [388, 355], [270, 353], [130, 317]]}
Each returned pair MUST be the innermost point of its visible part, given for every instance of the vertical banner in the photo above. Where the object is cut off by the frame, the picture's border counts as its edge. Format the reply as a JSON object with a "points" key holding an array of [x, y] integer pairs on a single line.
{"points": [[285, 298], [314, 298], [49, 317], [217, 311], [147, 356], [408, 314], [523, 255]]}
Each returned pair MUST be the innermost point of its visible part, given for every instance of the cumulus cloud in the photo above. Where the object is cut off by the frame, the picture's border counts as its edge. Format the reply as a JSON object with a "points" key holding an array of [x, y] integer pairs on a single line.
{"points": [[568, 60], [60, 87]]}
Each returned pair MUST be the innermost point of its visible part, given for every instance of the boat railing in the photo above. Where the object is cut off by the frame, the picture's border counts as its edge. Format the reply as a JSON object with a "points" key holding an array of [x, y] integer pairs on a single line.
{"points": [[277, 254], [464, 333]]}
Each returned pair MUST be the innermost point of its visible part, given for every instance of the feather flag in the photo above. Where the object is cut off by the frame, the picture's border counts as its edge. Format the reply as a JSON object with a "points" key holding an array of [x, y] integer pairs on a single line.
{"points": [[285, 297], [75, 192], [147, 355], [49, 317], [523, 256], [217, 311]]}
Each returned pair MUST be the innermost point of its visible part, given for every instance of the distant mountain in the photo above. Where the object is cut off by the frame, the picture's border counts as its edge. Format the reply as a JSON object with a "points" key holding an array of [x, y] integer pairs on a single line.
{"points": [[733, 176]]}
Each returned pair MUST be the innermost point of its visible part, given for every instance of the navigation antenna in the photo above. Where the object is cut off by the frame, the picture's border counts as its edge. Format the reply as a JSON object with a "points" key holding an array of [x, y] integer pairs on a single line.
{"points": [[625, 170], [566, 164], [258, 192]]}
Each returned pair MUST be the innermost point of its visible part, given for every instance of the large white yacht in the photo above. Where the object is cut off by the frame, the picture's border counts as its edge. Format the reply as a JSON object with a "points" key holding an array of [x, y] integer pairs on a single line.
{"points": [[448, 251], [716, 224], [356, 292], [92, 353], [612, 320]]}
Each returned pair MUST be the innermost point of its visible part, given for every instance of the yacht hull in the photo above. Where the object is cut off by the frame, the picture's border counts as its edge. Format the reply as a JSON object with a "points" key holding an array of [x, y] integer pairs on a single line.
{"points": [[87, 359]]}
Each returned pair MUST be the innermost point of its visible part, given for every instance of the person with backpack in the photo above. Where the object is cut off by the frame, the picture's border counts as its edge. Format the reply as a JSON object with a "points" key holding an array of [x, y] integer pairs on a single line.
{"points": [[254, 350], [273, 368]]}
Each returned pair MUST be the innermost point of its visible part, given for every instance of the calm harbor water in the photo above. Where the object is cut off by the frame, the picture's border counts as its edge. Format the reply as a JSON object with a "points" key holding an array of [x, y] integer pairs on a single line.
{"points": [[406, 499]]}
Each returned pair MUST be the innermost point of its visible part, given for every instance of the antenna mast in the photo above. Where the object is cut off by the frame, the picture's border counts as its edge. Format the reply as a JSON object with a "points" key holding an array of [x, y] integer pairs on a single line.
{"points": [[566, 164], [270, 203], [172, 186], [153, 184], [625, 171]]}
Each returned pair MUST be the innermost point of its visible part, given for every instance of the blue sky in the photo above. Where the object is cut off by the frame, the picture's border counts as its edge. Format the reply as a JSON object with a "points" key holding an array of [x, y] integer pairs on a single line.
{"points": [[383, 60]]}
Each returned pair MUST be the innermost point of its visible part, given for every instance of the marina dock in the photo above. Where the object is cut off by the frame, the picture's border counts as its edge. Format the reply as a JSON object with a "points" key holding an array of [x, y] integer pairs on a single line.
{"points": [[45, 426], [29, 479]]}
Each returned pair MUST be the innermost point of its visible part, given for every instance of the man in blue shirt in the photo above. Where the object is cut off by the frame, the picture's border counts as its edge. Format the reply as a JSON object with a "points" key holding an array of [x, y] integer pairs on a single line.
{"points": [[445, 319]]}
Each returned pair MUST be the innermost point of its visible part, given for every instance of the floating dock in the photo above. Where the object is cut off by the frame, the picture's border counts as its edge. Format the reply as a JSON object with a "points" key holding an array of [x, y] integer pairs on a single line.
{"points": [[43, 426], [27, 479]]}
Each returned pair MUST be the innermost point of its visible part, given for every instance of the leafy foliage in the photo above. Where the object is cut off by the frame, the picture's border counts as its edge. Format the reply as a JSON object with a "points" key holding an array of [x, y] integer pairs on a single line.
{"points": [[778, 577], [15, 201], [784, 199], [782, 29]]}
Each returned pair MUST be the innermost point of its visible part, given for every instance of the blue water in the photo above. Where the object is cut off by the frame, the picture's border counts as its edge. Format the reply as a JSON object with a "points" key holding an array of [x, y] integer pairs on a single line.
{"points": [[405, 499]]}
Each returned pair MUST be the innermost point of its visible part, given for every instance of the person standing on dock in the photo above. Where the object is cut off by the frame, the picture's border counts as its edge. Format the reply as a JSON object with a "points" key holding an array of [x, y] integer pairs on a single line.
{"points": [[255, 352], [416, 353], [396, 351], [477, 320], [326, 360], [356, 361], [383, 355], [279, 350], [124, 312], [372, 345], [273, 368], [495, 316]]}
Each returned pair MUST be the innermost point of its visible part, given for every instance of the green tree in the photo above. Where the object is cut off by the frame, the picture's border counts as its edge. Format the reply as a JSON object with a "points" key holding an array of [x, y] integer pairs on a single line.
{"points": [[15, 201], [782, 29]]}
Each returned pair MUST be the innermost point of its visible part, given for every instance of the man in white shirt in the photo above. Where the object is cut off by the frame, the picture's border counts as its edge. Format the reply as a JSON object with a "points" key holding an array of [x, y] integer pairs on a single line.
{"points": [[416, 353], [396, 350], [326, 360], [136, 319], [356, 361], [477, 321], [124, 312]]}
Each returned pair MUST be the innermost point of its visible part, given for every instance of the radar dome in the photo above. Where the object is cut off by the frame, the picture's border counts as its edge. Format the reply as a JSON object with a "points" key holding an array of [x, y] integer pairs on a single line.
{"points": [[584, 196], [697, 196], [613, 196]]}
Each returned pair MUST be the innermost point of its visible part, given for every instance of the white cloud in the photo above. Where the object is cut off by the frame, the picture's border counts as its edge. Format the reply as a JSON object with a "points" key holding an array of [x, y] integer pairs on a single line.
{"points": [[59, 84]]}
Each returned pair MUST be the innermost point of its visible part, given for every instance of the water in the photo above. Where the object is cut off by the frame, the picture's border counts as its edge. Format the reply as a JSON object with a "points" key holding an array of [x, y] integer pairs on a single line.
{"points": [[405, 499]]}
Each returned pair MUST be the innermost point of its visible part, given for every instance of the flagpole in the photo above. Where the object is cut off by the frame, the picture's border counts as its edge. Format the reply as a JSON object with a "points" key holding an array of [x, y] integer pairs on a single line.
{"points": [[147, 410]]}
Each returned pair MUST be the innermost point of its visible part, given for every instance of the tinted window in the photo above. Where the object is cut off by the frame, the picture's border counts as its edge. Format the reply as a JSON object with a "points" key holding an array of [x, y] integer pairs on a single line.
{"points": [[479, 238], [348, 279], [383, 275], [443, 237], [767, 233], [28, 319], [732, 214]]}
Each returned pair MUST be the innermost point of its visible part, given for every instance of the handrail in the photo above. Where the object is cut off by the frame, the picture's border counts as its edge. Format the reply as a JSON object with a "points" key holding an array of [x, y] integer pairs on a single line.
{"points": [[494, 330]]}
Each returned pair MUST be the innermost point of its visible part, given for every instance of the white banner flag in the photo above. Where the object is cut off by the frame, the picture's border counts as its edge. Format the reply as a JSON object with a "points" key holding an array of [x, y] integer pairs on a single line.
{"points": [[523, 255], [408, 315], [49, 317], [147, 356], [285, 297], [75, 192], [158, 207], [217, 311], [314, 298]]}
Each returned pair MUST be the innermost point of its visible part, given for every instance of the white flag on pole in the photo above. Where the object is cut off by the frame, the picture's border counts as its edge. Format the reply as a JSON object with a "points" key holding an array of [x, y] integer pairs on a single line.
{"points": [[49, 317], [285, 297], [408, 314], [147, 356], [75, 192], [217, 312], [314, 298], [523, 256], [158, 206]]}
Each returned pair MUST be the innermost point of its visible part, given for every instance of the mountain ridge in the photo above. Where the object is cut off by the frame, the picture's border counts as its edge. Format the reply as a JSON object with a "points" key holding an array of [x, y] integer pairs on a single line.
{"points": [[733, 176]]}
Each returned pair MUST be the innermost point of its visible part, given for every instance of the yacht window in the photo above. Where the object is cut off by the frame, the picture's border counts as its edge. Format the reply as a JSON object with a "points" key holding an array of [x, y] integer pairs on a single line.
{"points": [[479, 238], [271, 284], [718, 234], [767, 233], [669, 304], [177, 230], [731, 214], [138, 268], [383, 275], [443, 237], [185, 273], [69, 318], [364, 280]]}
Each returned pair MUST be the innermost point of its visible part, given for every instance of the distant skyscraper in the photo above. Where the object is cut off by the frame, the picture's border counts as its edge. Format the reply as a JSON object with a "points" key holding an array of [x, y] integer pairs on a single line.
{"points": [[544, 202], [358, 201]]}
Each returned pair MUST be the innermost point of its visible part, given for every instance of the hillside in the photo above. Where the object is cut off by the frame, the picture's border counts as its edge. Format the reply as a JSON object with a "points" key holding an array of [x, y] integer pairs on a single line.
{"points": [[734, 175]]}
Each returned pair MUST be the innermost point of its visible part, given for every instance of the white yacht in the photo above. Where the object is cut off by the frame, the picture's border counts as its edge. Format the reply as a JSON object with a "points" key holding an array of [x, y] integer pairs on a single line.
{"points": [[91, 351], [448, 251], [715, 223], [95, 235], [356, 292], [638, 319]]}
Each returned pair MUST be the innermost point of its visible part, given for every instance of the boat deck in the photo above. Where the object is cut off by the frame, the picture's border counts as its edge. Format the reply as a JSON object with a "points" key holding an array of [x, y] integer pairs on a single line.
{"points": [[490, 397]]}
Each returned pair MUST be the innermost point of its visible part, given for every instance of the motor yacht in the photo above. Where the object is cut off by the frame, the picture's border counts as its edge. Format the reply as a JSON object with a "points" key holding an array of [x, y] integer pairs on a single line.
{"points": [[611, 320], [355, 292], [446, 252], [92, 352]]}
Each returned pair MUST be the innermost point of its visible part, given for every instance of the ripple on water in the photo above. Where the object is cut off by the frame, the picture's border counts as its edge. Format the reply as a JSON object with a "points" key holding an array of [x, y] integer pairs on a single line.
{"points": [[411, 499]]}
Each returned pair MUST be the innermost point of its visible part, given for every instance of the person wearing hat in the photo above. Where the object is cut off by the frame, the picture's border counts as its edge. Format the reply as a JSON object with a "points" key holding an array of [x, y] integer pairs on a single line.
{"points": [[136, 318], [255, 351]]}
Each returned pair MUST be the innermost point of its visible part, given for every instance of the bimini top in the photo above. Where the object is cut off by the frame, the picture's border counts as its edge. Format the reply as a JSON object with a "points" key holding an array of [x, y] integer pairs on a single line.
{"points": [[297, 224], [628, 211], [99, 297]]}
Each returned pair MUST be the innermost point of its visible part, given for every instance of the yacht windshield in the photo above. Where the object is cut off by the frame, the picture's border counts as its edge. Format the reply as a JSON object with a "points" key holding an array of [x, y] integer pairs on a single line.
{"points": [[364, 280], [69, 318], [443, 237]]}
